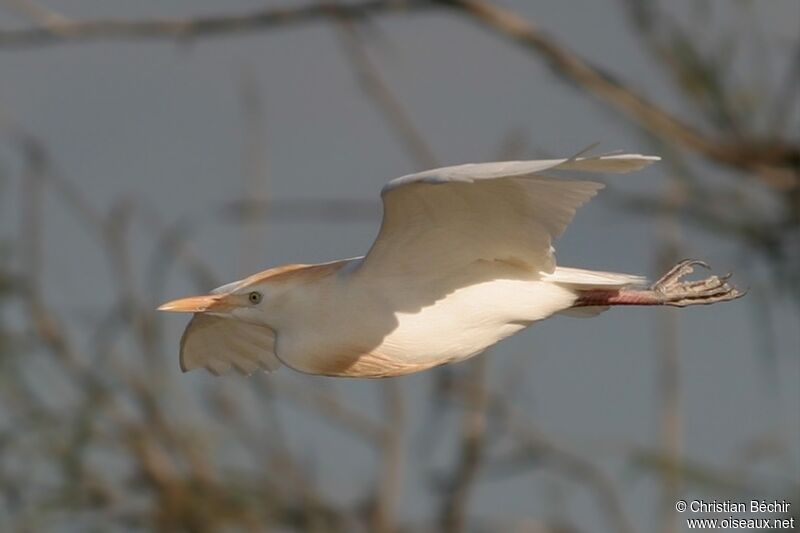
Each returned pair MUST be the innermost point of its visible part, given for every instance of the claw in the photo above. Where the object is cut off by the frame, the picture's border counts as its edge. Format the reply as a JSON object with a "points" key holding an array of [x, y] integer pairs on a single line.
{"points": [[683, 268], [672, 291], [689, 263]]}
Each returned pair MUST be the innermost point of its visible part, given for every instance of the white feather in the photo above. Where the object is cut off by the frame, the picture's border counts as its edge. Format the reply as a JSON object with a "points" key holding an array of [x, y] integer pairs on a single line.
{"points": [[463, 259], [218, 343], [504, 211], [588, 279]]}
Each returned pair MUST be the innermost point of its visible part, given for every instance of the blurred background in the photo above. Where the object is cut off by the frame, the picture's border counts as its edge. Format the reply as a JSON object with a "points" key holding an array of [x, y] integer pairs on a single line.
{"points": [[151, 150]]}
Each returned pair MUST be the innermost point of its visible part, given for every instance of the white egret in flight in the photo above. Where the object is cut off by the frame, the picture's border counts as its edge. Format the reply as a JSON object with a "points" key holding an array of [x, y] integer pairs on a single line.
{"points": [[463, 260]]}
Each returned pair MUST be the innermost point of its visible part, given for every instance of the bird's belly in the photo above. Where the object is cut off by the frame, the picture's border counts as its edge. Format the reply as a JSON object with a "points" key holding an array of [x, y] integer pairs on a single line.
{"points": [[431, 338], [472, 319], [395, 337]]}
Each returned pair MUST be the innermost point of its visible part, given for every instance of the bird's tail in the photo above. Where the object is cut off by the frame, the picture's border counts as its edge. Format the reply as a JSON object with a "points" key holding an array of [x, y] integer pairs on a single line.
{"points": [[593, 279]]}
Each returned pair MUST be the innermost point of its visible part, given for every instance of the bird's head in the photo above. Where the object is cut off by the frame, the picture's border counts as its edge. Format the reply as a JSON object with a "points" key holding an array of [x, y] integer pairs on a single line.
{"points": [[258, 299], [241, 300]]}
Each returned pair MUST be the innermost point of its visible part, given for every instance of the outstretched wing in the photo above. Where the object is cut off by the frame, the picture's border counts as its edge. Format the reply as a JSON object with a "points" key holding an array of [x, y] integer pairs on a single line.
{"points": [[217, 343], [447, 218]]}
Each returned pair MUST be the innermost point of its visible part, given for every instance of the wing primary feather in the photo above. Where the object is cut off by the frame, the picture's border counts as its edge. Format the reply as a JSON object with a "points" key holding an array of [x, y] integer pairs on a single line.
{"points": [[584, 151], [446, 219]]}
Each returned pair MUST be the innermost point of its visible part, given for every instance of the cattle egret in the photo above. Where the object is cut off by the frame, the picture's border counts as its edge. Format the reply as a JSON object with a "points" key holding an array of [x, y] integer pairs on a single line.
{"points": [[463, 260]]}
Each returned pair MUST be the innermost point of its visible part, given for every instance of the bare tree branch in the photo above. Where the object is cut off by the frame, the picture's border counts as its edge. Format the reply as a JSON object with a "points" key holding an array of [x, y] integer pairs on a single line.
{"points": [[778, 163], [473, 440], [393, 458], [35, 12], [774, 161], [539, 446], [380, 92], [178, 470], [179, 29], [669, 366]]}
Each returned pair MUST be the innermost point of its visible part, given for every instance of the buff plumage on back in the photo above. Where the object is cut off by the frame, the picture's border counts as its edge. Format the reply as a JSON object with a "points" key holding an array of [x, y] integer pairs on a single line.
{"points": [[218, 343]]}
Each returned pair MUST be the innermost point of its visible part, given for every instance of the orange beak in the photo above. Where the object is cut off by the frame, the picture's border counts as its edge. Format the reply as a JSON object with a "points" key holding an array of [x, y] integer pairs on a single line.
{"points": [[198, 304]]}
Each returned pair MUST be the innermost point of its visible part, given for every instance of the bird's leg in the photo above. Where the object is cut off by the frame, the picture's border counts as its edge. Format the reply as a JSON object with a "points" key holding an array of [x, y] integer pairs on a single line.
{"points": [[669, 290]]}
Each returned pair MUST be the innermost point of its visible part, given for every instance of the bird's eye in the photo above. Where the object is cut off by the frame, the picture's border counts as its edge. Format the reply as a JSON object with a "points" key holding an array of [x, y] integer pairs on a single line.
{"points": [[254, 297]]}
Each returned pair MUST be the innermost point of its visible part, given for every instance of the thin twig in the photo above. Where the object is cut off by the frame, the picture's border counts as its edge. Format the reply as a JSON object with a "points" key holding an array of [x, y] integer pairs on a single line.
{"points": [[455, 506], [256, 168], [669, 367], [774, 160], [540, 447], [393, 458], [329, 405], [36, 12], [182, 29], [395, 113]]}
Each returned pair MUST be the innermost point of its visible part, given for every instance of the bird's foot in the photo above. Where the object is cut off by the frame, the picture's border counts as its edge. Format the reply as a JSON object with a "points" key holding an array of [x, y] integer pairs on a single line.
{"points": [[670, 290]]}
